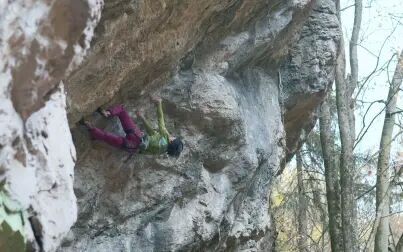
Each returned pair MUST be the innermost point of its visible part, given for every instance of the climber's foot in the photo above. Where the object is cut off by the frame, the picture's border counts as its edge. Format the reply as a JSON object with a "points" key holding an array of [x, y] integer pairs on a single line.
{"points": [[103, 112], [86, 123]]}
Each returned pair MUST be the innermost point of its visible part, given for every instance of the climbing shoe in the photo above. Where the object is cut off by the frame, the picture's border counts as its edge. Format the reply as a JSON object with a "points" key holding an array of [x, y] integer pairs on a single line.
{"points": [[85, 123]]}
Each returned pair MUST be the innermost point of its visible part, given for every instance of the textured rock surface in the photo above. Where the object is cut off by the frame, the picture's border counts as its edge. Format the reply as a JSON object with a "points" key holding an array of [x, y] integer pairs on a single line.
{"points": [[139, 44], [308, 71], [39, 42], [39, 170], [216, 66]]}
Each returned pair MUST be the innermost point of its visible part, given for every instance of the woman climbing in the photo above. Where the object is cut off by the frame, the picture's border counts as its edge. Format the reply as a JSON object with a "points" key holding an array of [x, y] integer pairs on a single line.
{"points": [[151, 142]]}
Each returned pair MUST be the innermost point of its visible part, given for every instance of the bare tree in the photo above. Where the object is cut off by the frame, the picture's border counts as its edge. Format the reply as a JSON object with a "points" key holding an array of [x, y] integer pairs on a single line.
{"points": [[345, 111], [383, 174], [302, 208], [333, 161], [331, 176]]}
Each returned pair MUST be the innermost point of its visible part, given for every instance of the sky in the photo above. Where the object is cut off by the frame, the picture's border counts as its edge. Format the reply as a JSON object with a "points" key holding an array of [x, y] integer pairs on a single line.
{"points": [[380, 18]]}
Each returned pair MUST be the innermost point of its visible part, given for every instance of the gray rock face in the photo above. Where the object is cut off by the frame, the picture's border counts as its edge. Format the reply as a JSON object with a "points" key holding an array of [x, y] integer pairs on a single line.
{"points": [[308, 71], [240, 81], [216, 66], [40, 41]]}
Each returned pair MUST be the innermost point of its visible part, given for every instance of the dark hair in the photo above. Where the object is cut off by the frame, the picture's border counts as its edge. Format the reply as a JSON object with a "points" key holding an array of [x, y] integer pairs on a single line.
{"points": [[175, 147]]}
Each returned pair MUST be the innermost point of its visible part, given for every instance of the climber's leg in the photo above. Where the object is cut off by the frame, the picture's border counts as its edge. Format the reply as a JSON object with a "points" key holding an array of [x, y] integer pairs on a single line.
{"points": [[107, 137], [127, 123]]}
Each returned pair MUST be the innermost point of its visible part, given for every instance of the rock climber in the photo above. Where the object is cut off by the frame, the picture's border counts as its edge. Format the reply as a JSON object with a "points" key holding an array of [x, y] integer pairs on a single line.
{"points": [[151, 142]]}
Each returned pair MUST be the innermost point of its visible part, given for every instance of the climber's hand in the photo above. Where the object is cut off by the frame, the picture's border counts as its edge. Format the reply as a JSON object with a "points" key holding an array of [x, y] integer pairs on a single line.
{"points": [[139, 113], [107, 113], [104, 112], [155, 98]]}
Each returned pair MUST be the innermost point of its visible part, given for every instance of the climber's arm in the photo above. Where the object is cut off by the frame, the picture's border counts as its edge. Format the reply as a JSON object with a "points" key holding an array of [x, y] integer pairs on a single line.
{"points": [[161, 123], [147, 124]]}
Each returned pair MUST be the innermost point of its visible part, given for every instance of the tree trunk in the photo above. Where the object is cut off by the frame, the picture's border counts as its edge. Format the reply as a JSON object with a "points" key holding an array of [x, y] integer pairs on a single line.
{"points": [[353, 80], [302, 208], [383, 175], [345, 111], [331, 177], [318, 205], [347, 174]]}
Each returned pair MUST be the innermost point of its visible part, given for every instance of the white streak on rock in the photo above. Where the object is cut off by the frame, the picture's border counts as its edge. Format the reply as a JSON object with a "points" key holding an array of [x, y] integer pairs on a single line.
{"points": [[46, 182]]}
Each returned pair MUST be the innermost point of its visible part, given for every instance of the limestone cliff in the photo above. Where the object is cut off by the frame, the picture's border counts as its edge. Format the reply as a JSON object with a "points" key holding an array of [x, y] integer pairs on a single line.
{"points": [[39, 42], [217, 67], [240, 80]]}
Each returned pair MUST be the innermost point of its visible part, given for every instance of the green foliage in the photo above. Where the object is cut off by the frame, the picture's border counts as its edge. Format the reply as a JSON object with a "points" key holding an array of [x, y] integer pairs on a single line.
{"points": [[12, 224]]}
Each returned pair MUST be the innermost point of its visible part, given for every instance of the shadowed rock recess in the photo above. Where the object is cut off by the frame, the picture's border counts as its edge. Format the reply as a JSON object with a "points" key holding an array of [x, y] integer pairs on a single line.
{"points": [[216, 65], [240, 80]]}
